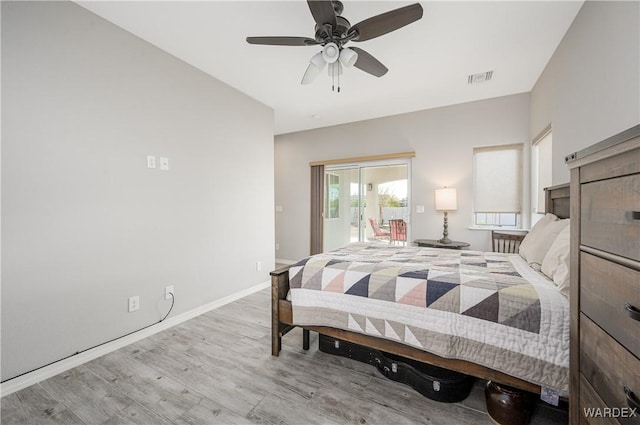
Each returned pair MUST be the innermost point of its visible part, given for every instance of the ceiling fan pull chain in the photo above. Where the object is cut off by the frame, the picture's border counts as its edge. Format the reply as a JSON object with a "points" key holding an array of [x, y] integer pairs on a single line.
{"points": [[333, 77]]}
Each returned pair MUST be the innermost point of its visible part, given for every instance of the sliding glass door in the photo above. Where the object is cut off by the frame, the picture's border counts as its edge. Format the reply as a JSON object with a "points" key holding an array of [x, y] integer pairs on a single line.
{"points": [[360, 200], [386, 198]]}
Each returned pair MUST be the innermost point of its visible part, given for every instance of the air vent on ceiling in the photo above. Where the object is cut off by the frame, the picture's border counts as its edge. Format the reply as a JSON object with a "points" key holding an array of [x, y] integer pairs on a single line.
{"points": [[481, 77]]}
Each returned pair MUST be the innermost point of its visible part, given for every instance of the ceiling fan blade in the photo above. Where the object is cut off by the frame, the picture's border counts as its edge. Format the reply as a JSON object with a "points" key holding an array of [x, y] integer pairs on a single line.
{"points": [[282, 41], [368, 63], [386, 22], [323, 12]]}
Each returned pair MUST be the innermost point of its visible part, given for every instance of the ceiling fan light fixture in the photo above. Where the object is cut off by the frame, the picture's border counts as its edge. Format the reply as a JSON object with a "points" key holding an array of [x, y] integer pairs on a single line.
{"points": [[310, 74], [316, 65], [348, 57], [318, 61], [330, 52]]}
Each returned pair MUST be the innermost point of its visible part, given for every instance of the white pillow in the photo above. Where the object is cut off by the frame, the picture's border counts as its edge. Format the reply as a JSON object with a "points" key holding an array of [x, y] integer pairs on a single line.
{"points": [[556, 263], [540, 239], [527, 245]]}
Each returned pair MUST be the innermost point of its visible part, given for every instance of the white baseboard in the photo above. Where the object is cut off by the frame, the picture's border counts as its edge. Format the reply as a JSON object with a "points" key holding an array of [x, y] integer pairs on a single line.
{"points": [[46, 372], [287, 262]]}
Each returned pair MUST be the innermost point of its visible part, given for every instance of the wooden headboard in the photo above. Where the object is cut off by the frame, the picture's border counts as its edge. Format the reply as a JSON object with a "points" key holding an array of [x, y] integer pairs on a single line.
{"points": [[557, 200]]}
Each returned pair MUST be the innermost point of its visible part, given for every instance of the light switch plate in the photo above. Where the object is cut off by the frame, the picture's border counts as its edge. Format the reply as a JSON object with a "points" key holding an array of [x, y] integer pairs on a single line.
{"points": [[164, 163], [420, 209], [279, 208], [134, 303], [151, 161]]}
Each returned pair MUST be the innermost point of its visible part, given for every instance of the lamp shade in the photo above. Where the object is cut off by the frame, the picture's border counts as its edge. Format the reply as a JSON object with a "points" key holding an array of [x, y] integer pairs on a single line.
{"points": [[330, 52], [318, 61], [316, 64], [348, 57], [446, 199]]}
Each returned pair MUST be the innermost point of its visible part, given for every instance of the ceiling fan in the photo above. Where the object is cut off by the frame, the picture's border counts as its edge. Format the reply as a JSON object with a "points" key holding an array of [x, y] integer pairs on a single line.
{"points": [[333, 31]]}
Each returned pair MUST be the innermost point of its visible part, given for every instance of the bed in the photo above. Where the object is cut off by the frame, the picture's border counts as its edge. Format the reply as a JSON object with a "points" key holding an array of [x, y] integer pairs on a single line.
{"points": [[409, 321]]}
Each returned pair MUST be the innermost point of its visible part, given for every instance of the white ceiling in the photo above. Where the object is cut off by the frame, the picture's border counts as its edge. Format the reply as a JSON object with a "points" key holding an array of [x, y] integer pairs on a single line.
{"points": [[428, 61]]}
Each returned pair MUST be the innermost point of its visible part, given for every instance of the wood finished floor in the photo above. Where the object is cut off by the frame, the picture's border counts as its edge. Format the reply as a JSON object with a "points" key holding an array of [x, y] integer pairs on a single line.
{"points": [[217, 369]]}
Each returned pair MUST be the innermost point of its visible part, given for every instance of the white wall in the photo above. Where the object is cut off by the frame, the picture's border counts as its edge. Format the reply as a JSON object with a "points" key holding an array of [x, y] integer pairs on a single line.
{"points": [[85, 223], [443, 140], [590, 90]]}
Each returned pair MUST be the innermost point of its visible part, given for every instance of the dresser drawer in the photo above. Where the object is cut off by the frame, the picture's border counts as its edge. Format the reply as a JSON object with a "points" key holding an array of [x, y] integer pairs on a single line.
{"points": [[614, 166], [608, 367], [609, 216], [590, 403], [605, 290]]}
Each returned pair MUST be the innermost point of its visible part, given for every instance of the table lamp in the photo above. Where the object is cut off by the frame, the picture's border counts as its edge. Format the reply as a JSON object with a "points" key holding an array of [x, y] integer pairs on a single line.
{"points": [[446, 201]]}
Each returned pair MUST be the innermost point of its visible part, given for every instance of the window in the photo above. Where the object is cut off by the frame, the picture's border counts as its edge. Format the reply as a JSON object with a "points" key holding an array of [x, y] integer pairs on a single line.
{"points": [[497, 180], [332, 206], [541, 165], [496, 219]]}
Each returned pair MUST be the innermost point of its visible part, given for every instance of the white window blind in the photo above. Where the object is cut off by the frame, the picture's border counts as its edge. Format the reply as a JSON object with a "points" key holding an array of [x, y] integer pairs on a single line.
{"points": [[541, 155], [498, 179]]}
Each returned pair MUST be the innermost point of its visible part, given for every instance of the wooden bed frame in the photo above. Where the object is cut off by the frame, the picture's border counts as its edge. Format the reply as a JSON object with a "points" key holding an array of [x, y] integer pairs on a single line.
{"points": [[557, 202]]}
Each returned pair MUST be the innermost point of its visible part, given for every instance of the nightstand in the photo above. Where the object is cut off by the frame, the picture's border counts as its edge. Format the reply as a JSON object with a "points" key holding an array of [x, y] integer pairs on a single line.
{"points": [[433, 243]]}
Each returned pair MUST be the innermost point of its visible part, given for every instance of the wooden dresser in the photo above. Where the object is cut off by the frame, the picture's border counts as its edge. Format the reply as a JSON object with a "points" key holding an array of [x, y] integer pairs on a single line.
{"points": [[605, 281]]}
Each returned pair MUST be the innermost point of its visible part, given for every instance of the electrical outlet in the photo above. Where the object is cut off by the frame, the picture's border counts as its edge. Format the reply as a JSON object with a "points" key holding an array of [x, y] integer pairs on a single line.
{"points": [[134, 303], [164, 163], [258, 265], [167, 291], [277, 247]]}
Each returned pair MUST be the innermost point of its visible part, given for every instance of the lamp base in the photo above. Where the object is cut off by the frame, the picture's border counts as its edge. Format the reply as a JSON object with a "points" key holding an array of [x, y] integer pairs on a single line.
{"points": [[445, 233]]}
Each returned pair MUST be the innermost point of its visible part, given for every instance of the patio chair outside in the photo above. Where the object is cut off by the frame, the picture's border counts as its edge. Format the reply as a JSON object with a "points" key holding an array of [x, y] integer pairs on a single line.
{"points": [[398, 231], [378, 233]]}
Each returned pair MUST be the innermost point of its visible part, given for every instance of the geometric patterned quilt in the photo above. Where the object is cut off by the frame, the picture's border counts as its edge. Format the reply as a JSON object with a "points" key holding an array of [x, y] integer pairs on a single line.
{"points": [[484, 307]]}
